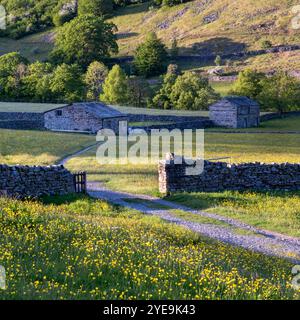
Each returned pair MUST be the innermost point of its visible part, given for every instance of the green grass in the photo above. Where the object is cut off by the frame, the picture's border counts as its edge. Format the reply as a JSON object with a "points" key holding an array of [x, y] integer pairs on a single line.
{"points": [[149, 123], [268, 148], [79, 248], [239, 147], [223, 88], [39, 147], [148, 203], [278, 211], [28, 107], [237, 26], [162, 112], [288, 123], [197, 218], [33, 47]]}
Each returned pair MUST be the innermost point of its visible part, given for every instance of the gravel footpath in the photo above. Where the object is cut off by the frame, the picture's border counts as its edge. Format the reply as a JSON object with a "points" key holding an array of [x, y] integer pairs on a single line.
{"points": [[263, 241]]}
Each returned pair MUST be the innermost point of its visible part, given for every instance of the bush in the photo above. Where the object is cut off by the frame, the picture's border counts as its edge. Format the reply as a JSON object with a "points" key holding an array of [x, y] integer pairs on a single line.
{"points": [[280, 92], [28, 16], [67, 83], [97, 8], [150, 58], [266, 44], [83, 40], [185, 92], [249, 84], [94, 79], [12, 69], [218, 61], [64, 12], [115, 88]]}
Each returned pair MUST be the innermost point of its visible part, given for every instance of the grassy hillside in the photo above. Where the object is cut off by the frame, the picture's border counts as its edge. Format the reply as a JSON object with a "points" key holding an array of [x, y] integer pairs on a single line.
{"points": [[202, 25], [33, 47]]}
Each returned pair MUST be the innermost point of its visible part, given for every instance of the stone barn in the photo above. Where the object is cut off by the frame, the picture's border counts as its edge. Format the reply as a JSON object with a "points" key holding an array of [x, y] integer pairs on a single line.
{"points": [[235, 112], [84, 117]]}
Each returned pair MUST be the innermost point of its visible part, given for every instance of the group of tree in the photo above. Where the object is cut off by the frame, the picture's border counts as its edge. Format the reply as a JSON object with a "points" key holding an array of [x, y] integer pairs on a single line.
{"points": [[277, 92], [120, 89], [44, 82], [151, 57], [76, 69], [83, 40], [28, 17], [187, 91]]}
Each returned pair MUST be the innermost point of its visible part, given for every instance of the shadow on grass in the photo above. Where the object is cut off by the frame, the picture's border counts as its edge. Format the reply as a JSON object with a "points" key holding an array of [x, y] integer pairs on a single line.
{"points": [[66, 199], [204, 200], [126, 35], [216, 46], [133, 9]]}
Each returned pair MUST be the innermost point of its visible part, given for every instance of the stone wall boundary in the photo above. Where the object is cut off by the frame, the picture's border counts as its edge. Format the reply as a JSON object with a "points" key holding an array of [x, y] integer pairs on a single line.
{"points": [[221, 176], [35, 181]]}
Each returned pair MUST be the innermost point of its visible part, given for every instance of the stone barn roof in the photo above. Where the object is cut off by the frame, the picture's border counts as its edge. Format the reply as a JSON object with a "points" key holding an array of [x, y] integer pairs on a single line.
{"points": [[236, 101], [97, 108], [101, 110]]}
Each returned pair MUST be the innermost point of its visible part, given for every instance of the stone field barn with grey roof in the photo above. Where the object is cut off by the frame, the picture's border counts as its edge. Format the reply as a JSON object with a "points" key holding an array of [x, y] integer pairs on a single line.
{"points": [[81, 117], [235, 112], [84, 117]]}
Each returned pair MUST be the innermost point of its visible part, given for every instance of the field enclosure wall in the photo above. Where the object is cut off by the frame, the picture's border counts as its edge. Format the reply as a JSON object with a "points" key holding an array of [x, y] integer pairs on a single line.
{"points": [[21, 120], [220, 176], [25, 181]]}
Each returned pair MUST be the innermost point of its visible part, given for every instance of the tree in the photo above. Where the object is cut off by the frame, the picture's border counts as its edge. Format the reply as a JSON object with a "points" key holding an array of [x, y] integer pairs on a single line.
{"points": [[173, 69], [96, 8], [64, 12], [139, 90], [67, 83], [218, 61], [37, 81], [115, 88], [163, 98], [150, 57], [191, 92], [83, 40], [266, 44], [94, 79], [12, 70], [280, 92], [249, 84], [186, 92], [174, 49]]}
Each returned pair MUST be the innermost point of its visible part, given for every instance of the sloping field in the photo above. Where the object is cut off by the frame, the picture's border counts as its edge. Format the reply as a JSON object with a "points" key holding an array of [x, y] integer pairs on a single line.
{"points": [[209, 25]]}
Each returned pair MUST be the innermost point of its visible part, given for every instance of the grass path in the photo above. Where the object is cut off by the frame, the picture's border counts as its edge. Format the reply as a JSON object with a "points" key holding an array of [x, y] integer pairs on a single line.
{"points": [[64, 160], [214, 226]]}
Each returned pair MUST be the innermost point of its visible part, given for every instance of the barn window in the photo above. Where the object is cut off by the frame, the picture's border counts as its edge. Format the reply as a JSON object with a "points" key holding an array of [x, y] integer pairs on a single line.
{"points": [[58, 113]]}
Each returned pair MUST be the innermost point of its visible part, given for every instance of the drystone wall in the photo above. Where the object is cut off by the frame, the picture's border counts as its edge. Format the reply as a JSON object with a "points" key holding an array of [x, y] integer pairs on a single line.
{"points": [[25, 181], [21, 120], [220, 176], [161, 118], [202, 124]]}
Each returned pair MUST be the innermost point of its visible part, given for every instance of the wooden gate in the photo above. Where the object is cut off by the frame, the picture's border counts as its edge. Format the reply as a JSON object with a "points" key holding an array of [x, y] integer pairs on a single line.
{"points": [[80, 182]]}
